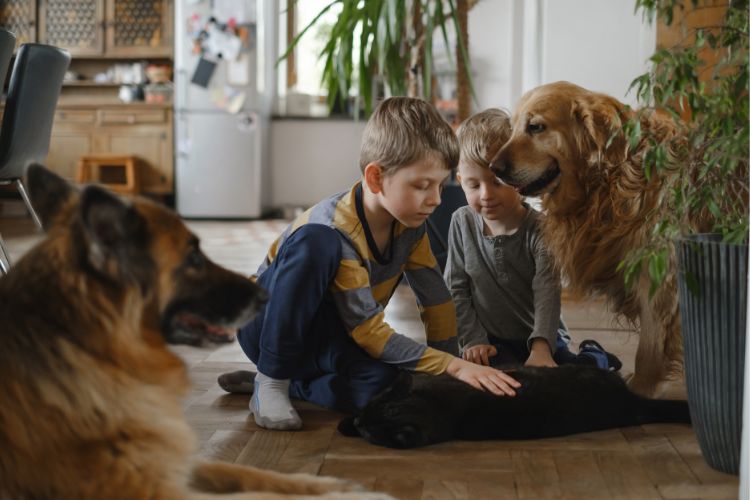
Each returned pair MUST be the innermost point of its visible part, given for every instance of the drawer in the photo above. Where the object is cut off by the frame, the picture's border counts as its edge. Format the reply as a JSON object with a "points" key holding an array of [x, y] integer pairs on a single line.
{"points": [[75, 116], [119, 117]]}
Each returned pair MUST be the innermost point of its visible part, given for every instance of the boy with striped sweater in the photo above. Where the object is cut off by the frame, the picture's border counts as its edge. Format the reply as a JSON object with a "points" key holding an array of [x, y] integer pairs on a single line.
{"points": [[322, 336]]}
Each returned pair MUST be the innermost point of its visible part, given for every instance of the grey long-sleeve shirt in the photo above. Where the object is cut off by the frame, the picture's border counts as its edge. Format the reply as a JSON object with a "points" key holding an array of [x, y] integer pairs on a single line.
{"points": [[503, 286]]}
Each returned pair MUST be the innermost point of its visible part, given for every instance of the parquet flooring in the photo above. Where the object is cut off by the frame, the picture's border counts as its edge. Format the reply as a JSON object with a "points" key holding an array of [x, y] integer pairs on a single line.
{"points": [[646, 462]]}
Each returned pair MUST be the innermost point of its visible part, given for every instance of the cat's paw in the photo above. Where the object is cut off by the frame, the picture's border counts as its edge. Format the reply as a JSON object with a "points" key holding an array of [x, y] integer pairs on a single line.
{"points": [[347, 428]]}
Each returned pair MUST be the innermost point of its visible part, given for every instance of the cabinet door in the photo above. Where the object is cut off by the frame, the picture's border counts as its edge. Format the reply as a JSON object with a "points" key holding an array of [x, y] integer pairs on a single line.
{"points": [[72, 137], [74, 25], [19, 16], [140, 28], [150, 143]]}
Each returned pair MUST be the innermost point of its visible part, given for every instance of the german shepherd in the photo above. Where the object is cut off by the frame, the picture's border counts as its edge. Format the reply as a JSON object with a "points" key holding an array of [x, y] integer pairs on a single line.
{"points": [[90, 393]]}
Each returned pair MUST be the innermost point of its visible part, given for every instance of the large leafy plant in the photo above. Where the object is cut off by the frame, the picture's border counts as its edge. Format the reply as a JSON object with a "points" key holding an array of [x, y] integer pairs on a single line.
{"points": [[702, 81], [390, 39]]}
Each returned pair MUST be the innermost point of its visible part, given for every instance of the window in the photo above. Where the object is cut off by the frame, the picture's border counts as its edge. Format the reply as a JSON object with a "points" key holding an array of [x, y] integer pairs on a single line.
{"points": [[300, 75]]}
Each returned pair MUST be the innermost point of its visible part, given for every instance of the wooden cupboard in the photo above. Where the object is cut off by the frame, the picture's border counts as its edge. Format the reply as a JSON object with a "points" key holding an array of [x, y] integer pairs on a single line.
{"points": [[91, 28], [144, 131]]}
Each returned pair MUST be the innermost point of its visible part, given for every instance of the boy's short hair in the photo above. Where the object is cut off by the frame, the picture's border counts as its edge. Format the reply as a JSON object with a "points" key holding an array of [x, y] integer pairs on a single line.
{"points": [[404, 130], [483, 134]]}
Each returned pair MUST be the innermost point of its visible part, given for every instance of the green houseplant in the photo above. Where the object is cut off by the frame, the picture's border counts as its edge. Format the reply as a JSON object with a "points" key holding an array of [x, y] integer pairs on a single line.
{"points": [[702, 81], [389, 40]]}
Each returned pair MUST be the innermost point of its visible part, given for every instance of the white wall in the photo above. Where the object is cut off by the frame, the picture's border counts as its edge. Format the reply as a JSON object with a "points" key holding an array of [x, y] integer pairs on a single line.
{"points": [[599, 44], [515, 45], [490, 44], [313, 159]]}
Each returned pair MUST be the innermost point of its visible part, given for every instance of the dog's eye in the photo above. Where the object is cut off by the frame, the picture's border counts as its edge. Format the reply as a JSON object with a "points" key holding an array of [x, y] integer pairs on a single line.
{"points": [[196, 259], [535, 128]]}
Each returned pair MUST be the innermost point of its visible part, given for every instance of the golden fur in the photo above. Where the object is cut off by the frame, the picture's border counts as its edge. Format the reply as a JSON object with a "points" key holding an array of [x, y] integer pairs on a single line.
{"points": [[90, 393], [567, 147]]}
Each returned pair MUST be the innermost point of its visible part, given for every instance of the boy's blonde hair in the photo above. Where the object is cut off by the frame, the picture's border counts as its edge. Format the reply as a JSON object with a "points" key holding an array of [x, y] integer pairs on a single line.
{"points": [[404, 130], [482, 135]]}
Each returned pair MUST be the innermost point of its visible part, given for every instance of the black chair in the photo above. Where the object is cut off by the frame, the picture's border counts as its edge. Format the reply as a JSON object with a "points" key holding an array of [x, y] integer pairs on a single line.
{"points": [[29, 111], [7, 45]]}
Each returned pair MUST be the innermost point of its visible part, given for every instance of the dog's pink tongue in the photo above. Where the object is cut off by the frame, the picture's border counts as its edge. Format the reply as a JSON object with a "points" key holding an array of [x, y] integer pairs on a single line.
{"points": [[194, 321]]}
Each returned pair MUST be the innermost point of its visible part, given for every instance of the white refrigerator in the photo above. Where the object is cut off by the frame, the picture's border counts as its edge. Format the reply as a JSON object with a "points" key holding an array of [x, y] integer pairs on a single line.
{"points": [[222, 115]]}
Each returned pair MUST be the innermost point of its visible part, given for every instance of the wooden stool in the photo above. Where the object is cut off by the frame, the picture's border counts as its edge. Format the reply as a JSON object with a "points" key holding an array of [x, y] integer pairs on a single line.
{"points": [[118, 173]]}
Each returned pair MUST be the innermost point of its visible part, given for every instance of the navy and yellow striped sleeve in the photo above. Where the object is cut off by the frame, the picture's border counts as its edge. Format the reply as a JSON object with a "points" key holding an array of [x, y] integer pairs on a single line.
{"points": [[433, 297], [364, 318]]}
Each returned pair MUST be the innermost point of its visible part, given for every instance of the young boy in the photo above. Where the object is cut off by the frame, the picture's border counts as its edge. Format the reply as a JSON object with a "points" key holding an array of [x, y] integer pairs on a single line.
{"points": [[322, 336], [506, 292]]}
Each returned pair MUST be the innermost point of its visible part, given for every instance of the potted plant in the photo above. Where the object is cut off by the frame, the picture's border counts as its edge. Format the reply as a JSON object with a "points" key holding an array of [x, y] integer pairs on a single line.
{"points": [[702, 81], [390, 41]]}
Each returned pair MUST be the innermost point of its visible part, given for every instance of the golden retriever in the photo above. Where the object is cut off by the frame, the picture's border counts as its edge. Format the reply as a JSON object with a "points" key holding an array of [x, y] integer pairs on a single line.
{"points": [[90, 393], [567, 147]]}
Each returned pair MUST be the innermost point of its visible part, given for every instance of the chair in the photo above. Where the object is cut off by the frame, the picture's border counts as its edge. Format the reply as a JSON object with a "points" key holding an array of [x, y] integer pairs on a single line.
{"points": [[116, 172], [7, 44], [29, 111]]}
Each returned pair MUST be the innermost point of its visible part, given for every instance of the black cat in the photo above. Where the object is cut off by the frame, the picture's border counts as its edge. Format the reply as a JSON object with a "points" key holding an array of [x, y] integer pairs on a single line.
{"points": [[420, 409]]}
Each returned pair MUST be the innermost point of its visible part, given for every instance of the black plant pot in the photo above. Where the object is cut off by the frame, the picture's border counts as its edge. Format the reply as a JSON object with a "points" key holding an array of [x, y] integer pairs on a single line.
{"points": [[713, 329]]}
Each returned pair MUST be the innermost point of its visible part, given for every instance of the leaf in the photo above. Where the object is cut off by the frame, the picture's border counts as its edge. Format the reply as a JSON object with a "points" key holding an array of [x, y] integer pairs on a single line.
{"points": [[297, 38]]}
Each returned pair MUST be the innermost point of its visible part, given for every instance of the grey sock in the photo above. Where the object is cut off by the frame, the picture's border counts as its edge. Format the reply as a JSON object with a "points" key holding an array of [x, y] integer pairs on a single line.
{"points": [[270, 404], [238, 382]]}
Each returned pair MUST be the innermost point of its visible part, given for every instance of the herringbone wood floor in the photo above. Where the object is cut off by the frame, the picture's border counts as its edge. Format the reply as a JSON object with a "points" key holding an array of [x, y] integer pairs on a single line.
{"points": [[647, 462]]}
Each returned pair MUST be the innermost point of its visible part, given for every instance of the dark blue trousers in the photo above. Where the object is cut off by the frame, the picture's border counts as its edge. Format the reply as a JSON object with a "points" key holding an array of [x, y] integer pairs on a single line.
{"points": [[515, 352], [299, 334]]}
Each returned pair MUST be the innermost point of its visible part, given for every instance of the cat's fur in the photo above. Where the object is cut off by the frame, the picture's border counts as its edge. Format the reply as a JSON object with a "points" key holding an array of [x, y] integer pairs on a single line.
{"points": [[420, 409]]}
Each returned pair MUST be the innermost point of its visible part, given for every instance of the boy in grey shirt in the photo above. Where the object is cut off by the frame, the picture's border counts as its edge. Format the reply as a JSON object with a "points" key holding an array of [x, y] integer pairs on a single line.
{"points": [[506, 291]]}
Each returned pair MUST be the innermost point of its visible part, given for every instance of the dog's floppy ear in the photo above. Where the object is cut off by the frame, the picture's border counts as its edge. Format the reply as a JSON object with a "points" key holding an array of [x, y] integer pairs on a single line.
{"points": [[601, 118], [48, 193], [115, 233]]}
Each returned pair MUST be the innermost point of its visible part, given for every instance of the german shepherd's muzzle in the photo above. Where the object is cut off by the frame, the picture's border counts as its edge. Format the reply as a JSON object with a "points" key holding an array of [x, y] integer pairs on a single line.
{"points": [[139, 243]]}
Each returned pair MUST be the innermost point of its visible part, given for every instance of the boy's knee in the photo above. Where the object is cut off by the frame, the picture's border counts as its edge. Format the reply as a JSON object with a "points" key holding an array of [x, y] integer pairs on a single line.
{"points": [[318, 240]]}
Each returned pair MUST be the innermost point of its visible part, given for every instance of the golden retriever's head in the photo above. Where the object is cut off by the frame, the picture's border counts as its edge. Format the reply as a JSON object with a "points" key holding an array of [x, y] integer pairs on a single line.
{"points": [[558, 130], [139, 247]]}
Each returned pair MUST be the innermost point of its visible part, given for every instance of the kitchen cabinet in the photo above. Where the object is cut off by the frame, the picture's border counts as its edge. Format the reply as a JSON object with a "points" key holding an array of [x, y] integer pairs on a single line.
{"points": [[141, 131], [94, 28], [20, 17]]}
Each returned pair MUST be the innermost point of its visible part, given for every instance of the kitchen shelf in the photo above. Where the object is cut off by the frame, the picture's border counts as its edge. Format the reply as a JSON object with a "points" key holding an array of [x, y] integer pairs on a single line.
{"points": [[91, 83]]}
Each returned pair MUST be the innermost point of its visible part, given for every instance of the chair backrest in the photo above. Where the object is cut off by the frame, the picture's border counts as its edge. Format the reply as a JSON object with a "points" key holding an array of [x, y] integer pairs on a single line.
{"points": [[7, 45], [30, 107]]}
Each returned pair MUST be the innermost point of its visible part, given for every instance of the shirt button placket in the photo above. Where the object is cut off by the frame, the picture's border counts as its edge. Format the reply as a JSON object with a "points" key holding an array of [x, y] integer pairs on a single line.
{"points": [[500, 259]]}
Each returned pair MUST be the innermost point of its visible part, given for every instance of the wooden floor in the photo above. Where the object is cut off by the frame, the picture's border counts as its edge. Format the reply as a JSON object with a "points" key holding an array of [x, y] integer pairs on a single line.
{"points": [[647, 462]]}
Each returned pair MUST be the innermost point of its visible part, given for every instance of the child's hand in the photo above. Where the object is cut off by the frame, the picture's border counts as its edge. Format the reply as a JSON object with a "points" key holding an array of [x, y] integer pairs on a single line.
{"points": [[480, 354], [541, 355], [483, 378]]}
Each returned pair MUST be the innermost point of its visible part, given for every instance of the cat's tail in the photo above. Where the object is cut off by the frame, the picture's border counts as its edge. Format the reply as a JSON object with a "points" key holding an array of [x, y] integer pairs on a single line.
{"points": [[652, 411]]}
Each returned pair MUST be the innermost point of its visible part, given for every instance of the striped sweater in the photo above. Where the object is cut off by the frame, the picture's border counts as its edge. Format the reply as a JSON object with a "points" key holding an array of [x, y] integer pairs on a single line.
{"points": [[364, 284]]}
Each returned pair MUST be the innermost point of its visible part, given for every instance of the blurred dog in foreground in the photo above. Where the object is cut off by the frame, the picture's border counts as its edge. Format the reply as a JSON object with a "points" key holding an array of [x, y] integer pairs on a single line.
{"points": [[90, 392]]}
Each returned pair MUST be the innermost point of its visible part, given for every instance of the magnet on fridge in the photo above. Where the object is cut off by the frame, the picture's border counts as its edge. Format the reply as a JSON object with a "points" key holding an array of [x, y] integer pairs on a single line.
{"points": [[203, 72]]}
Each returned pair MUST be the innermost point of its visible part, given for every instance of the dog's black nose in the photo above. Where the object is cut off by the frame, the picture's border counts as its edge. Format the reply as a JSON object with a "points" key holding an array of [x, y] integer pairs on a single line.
{"points": [[499, 166]]}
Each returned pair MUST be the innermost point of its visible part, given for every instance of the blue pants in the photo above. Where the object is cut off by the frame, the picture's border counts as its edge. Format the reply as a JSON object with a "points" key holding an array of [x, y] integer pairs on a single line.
{"points": [[299, 334], [515, 352]]}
